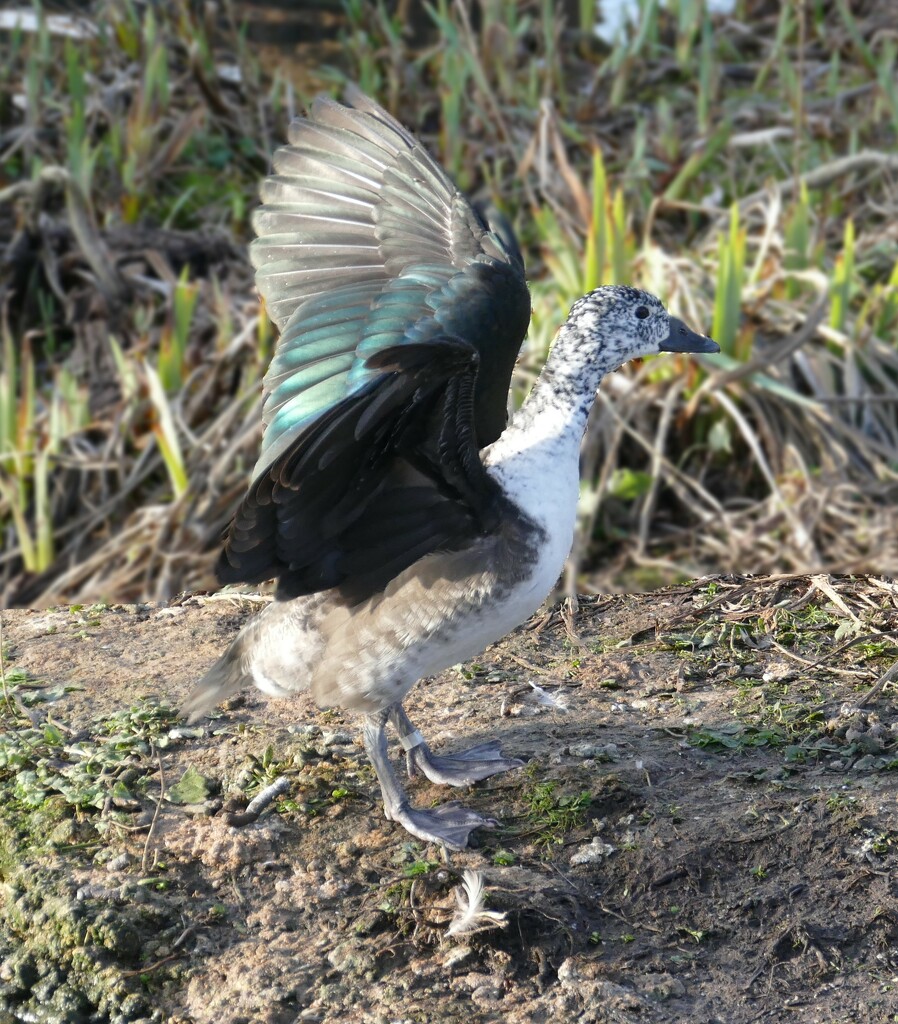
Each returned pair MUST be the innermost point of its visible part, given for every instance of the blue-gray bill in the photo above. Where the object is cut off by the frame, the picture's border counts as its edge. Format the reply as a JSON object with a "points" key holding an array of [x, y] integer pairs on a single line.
{"points": [[683, 339]]}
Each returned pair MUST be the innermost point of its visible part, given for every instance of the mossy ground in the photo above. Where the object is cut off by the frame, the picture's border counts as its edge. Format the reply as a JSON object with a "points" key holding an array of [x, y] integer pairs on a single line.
{"points": [[707, 832]]}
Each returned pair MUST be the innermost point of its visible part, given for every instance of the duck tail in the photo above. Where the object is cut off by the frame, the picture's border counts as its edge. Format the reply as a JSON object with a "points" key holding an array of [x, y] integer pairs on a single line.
{"points": [[226, 677]]}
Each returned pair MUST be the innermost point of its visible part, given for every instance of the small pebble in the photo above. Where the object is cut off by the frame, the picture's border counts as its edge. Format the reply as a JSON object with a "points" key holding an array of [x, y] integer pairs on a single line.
{"points": [[594, 750], [457, 956], [202, 810], [304, 730], [186, 732], [119, 863], [336, 738], [597, 850]]}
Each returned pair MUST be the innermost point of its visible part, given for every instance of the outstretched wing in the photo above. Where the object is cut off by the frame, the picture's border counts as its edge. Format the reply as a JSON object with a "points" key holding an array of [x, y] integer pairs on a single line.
{"points": [[401, 312]]}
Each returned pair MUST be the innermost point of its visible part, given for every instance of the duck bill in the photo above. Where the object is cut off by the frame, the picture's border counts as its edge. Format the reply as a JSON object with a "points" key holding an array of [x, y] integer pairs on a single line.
{"points": [[682, 339]]}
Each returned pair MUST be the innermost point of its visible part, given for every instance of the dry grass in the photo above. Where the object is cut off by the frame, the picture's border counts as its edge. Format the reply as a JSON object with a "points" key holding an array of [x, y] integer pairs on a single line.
{"points": [[747, 174]]}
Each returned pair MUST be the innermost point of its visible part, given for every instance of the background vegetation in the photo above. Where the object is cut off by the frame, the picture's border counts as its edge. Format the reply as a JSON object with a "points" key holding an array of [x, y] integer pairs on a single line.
{"points": [[742, 166]]}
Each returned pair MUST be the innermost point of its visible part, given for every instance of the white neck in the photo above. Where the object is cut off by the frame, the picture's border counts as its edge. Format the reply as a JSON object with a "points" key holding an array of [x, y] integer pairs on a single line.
{"points": [[536, 460]]}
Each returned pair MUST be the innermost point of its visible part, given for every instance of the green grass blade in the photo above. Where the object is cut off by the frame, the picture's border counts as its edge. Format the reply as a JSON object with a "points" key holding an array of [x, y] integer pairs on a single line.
{"points": [[728, 297], [166, 434], [842, 281]]}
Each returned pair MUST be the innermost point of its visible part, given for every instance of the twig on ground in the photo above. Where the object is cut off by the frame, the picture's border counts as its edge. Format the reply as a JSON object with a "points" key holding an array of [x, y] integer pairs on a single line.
{"points": [[146, 845], [259, 802], [877, 688]]}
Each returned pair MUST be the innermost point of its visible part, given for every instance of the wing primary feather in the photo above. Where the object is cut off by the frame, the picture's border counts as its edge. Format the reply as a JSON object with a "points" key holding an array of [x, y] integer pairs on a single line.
{"points": [[401, 309]]}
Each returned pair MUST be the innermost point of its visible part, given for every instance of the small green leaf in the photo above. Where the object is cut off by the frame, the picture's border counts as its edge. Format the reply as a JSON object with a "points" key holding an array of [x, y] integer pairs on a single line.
{"points": [[192, 789], [628, 484]]}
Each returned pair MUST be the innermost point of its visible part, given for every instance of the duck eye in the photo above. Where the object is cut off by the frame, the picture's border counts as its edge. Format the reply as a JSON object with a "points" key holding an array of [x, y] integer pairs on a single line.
{"points": [[642, 312]]}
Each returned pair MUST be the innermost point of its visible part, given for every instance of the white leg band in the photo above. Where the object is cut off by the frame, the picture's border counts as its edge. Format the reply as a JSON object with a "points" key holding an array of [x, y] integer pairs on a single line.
{"points": [[411, 740]]}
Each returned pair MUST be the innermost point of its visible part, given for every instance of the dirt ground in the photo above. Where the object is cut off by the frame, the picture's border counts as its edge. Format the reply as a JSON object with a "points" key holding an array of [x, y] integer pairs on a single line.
{"points": [[706, 829]]}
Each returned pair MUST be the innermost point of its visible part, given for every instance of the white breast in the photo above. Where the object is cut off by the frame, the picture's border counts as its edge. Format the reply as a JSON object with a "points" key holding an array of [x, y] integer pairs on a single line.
{"points": [[447, 607]]}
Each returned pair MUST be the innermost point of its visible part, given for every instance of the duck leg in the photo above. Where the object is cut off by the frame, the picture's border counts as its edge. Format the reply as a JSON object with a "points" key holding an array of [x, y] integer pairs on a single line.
{"points": [[451, 824], [461, 769]]}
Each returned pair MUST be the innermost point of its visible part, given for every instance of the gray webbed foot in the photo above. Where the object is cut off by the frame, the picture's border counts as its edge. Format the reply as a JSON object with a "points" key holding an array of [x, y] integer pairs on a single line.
{"points": [[449, 824], [461, 769]]}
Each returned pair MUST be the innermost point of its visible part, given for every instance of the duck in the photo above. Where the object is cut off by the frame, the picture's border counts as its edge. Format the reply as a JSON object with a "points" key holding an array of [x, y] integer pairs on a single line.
{"points": [[408, 523]]}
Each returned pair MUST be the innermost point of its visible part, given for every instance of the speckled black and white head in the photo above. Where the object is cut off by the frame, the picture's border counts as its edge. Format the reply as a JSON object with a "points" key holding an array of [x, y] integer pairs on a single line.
{"points": [[607, 328], [604, 330], [625, 323]]}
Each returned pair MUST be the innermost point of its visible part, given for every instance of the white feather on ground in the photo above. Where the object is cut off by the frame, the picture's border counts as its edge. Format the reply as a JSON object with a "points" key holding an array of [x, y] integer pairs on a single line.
{"points": [[558, 700], [470, 916]]}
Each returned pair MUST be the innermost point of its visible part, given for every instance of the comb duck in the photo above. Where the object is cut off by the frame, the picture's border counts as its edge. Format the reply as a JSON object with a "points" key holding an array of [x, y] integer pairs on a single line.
{"points": [[407, 525]]}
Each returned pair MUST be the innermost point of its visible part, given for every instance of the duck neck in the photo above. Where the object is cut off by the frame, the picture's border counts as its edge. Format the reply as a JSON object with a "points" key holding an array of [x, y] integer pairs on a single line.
{"points": [[536, 458], [560, 401]]}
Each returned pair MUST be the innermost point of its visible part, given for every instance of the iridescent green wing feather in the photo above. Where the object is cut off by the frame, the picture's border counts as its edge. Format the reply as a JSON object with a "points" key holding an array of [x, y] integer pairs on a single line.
{"points": [[365, 246]]}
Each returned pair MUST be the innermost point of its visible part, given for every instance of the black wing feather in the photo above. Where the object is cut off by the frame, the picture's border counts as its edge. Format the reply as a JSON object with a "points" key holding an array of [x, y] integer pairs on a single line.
{"points": [[402, 310]]}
